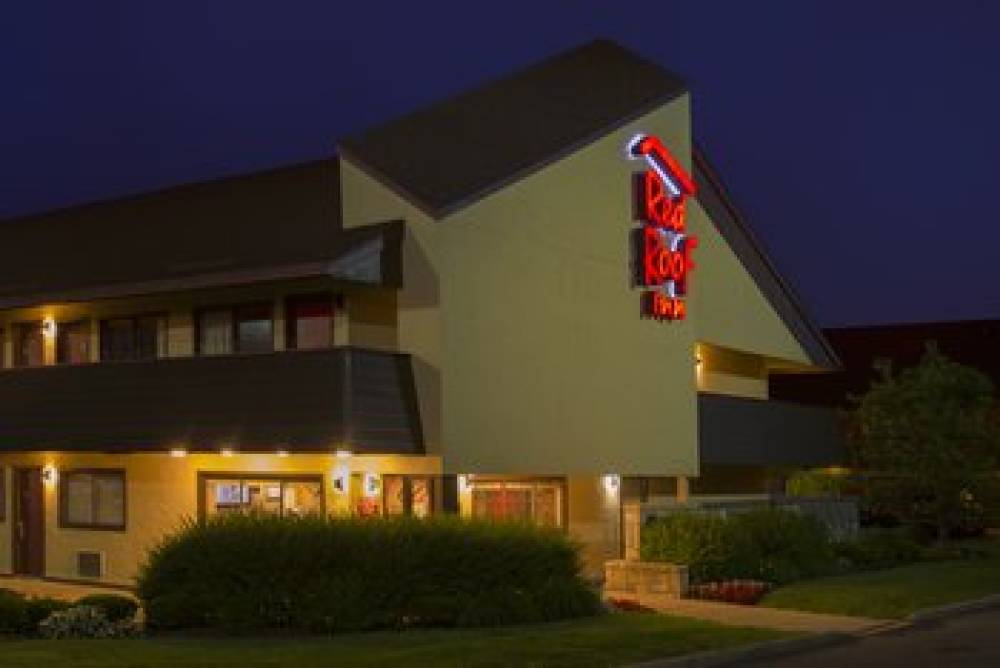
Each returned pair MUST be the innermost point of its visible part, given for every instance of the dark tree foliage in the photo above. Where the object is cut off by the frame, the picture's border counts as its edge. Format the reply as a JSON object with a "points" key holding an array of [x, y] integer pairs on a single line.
{"points": [[928, 437]]}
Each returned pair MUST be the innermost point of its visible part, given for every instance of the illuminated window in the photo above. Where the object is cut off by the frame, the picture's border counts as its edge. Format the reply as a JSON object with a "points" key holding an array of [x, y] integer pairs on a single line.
{"points": [[92, 499], [408, 495], [534, 502], [215, 332], [287, 496]]}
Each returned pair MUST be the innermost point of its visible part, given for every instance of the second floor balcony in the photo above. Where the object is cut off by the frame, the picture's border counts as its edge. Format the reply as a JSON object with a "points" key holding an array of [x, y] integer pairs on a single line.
{"points": [[303, 401]]}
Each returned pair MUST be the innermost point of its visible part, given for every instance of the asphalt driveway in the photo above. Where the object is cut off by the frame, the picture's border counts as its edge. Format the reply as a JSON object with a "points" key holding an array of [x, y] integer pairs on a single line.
{"points": [[971, 640]]}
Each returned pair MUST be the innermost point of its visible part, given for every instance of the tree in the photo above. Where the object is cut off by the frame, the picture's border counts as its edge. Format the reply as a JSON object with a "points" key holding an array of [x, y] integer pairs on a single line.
{"points": [[929, 438]]}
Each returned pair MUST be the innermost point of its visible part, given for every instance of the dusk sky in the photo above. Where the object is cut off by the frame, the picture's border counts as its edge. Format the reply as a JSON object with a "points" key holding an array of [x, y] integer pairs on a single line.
{"points": [[861, 139]]}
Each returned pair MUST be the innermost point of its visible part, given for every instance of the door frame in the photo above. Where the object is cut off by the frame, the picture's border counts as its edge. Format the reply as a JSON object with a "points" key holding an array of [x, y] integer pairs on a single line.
{"points": [[17, 559]]}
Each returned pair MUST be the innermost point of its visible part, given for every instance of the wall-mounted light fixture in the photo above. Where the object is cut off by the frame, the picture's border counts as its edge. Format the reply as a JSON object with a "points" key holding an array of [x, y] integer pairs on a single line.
{"points": [[50, 474], [343, 453], [178, 452], [612, 483], [49, 327], [341, 479], [463, 483], [373, 484], [226, 452], [282, 453]]}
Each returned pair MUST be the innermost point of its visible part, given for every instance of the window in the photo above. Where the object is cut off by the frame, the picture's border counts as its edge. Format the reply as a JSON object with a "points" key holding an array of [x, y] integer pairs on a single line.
{"points": [[27, 344], [92, 499], [215, 332], [288, 496], [309, 322], [244, 329], [408, 495], [73, 342], [134, 338], [535, 502], [254, 329]]}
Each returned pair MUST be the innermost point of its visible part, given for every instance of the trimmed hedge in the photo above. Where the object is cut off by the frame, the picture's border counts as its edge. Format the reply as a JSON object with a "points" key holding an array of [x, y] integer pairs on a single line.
{"points": [[242, 572], [770, 544]]}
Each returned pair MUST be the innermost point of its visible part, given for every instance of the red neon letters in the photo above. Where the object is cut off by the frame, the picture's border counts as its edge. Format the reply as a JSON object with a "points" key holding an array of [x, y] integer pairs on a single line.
{"points": [[664, 247]]}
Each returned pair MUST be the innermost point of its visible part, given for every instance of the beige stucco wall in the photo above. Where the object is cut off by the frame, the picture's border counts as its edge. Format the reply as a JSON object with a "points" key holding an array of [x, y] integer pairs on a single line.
{"points": [[725, 371], [161, 491], [532, 358]]}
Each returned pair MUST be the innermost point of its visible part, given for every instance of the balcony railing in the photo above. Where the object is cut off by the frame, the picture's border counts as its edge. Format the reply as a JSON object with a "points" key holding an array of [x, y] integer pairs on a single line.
{"points": [[739, 431], [306, 401]]}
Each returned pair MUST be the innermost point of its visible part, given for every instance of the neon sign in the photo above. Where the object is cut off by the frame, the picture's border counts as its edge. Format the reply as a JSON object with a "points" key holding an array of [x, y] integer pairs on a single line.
{"points": [[663, 248]]}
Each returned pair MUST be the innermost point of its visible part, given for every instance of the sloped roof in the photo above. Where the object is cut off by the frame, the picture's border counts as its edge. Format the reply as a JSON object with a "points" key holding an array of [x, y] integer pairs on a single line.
{"points": [[281, 223], [732, 225], [454, 152]]}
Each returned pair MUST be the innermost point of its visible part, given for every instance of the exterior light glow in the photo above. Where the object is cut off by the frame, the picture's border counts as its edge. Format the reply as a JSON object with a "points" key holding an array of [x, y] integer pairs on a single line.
{"points": [[49, 327], [282, 453], [463, 483], [343, 454], [226, 452], [178, 452]]}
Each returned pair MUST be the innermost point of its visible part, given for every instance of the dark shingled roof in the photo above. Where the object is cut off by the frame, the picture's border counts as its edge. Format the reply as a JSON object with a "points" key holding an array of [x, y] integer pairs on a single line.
{"points": [[280, 223], [452, 153]]}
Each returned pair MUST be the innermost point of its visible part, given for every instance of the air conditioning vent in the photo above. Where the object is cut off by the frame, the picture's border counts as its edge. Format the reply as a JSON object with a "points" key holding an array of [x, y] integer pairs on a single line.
{"points": [[90, 564]]}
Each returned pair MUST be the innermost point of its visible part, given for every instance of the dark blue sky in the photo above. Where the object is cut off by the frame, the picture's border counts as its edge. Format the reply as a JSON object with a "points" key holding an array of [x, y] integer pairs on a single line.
{"points": [[861, 138]]}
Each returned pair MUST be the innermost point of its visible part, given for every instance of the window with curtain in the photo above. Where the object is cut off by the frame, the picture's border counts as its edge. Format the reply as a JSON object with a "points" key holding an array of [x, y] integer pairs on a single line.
{"points": [[133, 338], [92, 499], [215, 331], [73, 342], [28, 347], [309, 322]]}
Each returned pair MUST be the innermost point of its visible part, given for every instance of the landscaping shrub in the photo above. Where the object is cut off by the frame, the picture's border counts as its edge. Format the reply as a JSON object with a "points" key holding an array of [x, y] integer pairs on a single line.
{"points": [[20, 615], [13, 617], [84, 621], [114, 607], [770, 544], [876, 549], [242, 572]]}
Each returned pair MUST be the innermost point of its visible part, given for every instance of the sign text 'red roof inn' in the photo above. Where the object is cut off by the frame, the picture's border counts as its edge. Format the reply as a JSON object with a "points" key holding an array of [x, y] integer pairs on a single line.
{"points": [[663, 248]]}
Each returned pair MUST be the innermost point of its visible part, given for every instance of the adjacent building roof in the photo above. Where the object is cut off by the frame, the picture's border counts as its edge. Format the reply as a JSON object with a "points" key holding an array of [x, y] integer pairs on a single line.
{"points": [[729, 220], [454, 152], [971, 342], [282, 223]]}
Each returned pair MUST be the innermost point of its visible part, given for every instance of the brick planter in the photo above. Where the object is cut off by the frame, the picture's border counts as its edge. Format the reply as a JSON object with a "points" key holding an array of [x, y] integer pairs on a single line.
{"points": [[625, 576]]}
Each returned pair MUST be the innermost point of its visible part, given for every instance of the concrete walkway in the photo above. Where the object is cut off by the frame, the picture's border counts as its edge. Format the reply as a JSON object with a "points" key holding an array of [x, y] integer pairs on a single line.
{"points": [[765, 618], [61, 590]]}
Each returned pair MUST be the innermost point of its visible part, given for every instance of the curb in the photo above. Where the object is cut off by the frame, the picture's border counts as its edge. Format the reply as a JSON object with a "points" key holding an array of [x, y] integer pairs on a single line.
{"points": [[769, 649], [942, 612]]}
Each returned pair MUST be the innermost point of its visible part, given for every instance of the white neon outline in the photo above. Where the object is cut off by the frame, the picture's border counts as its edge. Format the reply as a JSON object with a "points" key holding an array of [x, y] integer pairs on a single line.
{"points": [[668, 180]]}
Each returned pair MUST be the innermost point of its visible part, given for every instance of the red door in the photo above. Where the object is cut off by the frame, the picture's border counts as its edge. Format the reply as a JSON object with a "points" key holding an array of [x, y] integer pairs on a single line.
{"points": [[28, 527]]}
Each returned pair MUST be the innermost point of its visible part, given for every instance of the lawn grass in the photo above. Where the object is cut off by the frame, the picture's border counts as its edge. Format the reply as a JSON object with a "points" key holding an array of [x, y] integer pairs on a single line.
{"points": [[608, 640], [897, 592]]}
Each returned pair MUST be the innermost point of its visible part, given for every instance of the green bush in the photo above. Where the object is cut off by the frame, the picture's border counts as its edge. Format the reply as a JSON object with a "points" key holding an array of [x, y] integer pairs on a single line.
{"points": [[324, 575], [875, 549], [769, 544], [20, 615], [13, 616], [115, 608]]}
